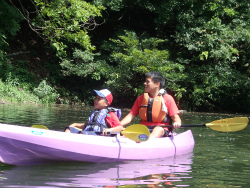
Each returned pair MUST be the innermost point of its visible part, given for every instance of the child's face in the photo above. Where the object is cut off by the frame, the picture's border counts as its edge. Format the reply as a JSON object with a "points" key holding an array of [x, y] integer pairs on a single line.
{"points": [[149, 85], [100, 103]]}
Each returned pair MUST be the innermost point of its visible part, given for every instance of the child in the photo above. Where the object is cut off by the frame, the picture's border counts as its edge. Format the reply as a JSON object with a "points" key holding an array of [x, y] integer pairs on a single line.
{"points": [[102, 117]]}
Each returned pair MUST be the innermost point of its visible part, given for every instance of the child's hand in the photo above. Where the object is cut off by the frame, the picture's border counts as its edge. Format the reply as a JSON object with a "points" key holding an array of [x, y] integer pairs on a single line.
{"points": [[113, 130], [106, 132]]}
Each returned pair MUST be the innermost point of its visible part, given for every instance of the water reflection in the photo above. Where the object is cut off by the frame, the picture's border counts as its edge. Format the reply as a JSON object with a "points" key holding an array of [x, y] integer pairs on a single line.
{"points": [[149, 173]]}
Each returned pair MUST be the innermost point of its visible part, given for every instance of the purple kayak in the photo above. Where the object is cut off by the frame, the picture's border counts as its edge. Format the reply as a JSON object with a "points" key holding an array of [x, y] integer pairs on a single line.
{"points": [[26, 146]]}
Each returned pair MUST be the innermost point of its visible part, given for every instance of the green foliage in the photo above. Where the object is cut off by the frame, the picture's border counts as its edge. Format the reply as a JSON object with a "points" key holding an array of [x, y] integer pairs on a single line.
{"points": [[9, 21], [202, 48], [135, 56], [83, 63], [219, 87], [14, 91], [210, 39], [66, 22], [4, 69], [46, 93], [115, 5], [17, 70], [3, 43]]}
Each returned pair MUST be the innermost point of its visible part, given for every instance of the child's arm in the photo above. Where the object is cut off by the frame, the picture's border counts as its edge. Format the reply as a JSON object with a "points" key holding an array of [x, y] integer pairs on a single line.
{"points": [[114, 129], [78, 125], [114, 124]]}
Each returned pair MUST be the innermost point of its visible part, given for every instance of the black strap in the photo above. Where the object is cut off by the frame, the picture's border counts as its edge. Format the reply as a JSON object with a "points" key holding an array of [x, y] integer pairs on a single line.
{"points": [[95, 116], [149, 109]]}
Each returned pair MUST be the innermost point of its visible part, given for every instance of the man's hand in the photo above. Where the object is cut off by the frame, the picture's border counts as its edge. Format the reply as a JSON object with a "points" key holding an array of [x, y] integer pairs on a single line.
{"points": [[176, 125], [176, 121]]}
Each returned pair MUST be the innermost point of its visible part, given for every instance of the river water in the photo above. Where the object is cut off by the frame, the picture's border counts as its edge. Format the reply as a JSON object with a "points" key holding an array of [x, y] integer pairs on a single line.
{"points": [[219, 159]]}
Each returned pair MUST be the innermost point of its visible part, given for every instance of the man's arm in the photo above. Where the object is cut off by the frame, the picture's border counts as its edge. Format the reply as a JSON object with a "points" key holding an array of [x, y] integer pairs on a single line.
{"points": [[127, 119]]}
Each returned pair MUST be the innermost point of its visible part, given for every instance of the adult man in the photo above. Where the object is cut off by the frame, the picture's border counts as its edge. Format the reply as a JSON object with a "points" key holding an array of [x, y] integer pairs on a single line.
{"points": [[155, 107]]}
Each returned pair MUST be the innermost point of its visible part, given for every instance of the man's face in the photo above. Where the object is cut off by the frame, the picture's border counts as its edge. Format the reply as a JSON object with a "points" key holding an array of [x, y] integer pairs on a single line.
{"points": [[150, 86]]}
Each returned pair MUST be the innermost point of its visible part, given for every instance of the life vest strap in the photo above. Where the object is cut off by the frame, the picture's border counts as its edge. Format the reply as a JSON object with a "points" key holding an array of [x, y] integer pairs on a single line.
{"points": [[149, 109]]}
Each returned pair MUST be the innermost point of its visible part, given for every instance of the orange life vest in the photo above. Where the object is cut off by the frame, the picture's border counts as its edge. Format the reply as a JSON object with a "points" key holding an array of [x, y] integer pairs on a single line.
{"points": [[151, 109]]}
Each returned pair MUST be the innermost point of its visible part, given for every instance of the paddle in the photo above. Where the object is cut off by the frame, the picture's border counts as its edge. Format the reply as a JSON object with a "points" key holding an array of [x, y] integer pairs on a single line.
{"points": [[39, 126], [223, 125], [140, 133], [136, 132]]}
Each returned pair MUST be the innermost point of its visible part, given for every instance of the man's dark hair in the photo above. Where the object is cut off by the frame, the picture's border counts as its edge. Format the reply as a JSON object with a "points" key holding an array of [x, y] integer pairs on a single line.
{"points": [[156, 77]]}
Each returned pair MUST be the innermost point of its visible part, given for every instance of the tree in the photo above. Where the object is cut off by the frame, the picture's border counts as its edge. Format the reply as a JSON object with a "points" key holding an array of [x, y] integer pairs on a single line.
{"points": [[62, 22], [201, 47], [9, 21], [211, 39], [133, 57]]}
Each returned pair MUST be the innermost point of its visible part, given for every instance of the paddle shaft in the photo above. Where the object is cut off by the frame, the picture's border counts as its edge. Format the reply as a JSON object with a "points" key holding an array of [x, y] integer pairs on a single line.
{"points": [[223, 125], [197, 125], [151, 127], [171, 126]]}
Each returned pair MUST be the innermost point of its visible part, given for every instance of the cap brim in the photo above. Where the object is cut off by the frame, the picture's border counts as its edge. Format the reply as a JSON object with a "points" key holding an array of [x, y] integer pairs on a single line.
{"points": [[98, 93]]}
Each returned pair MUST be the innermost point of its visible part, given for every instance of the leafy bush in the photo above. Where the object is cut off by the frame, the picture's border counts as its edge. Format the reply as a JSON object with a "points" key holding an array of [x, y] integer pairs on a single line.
{"points": [[46, 93], [83, 63], [12, 91]]}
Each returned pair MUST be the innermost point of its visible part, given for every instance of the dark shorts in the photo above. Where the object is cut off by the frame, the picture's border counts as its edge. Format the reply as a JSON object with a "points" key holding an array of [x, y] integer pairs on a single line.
{"points": [[77, 131], [166, 132]]}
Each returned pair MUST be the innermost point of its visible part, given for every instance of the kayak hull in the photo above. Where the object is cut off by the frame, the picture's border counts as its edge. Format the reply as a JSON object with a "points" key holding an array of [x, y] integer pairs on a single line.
{"points": [[26, 146]]}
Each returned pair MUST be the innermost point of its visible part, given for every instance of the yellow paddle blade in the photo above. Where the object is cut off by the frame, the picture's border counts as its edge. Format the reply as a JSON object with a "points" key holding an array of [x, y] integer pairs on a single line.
{"points": [[229, 124], [39, 126], [136, 132]]}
